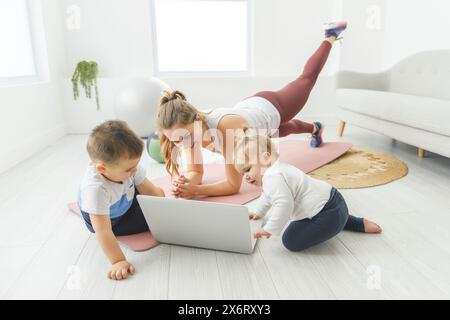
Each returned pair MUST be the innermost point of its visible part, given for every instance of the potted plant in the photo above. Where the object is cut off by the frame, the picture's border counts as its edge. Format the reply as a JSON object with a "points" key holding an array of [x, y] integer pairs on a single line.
{"points": [[86, 74]]}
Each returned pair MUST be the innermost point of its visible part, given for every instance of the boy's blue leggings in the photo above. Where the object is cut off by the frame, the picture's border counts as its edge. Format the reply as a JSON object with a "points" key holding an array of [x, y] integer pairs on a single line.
{"points": [[331, 220]]}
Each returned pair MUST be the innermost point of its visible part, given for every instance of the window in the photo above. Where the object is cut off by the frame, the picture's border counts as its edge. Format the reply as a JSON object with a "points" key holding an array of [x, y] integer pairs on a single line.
{"points": [[16, 46], [201, 36]]}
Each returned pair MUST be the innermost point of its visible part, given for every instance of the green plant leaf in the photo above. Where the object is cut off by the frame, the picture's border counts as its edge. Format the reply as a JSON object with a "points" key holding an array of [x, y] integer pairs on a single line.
{"points": [[86, 73]]}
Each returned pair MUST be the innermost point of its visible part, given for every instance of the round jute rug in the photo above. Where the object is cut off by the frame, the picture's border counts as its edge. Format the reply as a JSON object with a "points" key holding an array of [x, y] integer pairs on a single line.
{"points": [[361, 168]]}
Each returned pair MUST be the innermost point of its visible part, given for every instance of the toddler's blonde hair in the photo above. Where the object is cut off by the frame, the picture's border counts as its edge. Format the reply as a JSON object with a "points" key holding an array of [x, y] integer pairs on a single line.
{"points": [[249, 148]]}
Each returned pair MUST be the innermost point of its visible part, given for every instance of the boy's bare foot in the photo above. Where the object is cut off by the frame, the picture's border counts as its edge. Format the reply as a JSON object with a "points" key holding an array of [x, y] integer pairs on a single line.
{"points": [[371, 227]]}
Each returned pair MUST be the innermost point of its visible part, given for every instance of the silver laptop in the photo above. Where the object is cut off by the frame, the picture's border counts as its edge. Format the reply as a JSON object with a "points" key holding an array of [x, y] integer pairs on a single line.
{"points": [[200, 224]]}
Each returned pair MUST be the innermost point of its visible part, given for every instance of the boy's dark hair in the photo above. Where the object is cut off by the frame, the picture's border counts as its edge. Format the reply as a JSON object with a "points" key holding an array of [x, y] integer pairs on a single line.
{"points": [[113, 140]]}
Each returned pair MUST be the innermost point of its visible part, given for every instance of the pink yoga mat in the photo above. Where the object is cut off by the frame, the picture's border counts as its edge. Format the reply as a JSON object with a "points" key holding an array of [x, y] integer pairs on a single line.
{"points": [[295, 152], [136, 242]]}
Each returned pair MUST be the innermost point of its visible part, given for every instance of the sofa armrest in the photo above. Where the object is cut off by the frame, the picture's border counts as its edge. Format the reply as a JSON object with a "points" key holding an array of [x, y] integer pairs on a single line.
{"points": [[359, 80]]}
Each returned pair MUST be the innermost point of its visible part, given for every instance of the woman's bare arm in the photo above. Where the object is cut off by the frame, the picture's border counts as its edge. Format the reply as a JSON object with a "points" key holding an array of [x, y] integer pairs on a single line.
{"points": [[227, 187], [194, 170], [233, 181]]}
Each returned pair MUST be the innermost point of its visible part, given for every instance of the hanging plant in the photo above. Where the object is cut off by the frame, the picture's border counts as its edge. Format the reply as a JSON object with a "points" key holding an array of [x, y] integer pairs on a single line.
{"points": [[86, 74]]}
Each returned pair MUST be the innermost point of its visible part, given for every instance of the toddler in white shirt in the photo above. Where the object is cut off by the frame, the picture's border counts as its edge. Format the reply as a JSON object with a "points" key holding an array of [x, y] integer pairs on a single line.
{"points": [[312, 210]]}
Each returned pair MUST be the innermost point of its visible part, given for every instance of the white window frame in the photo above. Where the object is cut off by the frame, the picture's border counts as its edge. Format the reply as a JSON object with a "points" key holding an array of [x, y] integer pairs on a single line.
{"points": [[181, 74], [35, 25]]}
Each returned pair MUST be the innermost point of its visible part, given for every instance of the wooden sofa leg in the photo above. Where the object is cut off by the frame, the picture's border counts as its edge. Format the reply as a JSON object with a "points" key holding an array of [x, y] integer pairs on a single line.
{"points": [[421, 153], [341, 128]]}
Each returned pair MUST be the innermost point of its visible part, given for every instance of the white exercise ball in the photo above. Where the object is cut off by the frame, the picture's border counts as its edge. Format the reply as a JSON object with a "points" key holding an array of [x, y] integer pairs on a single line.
{"points": [[136, 103]]}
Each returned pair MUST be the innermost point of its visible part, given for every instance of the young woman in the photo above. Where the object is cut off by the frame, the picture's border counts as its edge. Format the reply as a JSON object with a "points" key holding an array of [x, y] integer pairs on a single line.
{"points": [[182, 126]]}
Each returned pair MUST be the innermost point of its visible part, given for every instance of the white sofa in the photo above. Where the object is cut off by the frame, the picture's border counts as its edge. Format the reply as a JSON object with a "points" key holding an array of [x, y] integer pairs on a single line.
{"points": [[409, 102]]}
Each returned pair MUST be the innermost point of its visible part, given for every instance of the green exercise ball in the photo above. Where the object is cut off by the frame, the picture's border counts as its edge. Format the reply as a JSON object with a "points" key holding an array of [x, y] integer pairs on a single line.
{"points": [[154, 148]]}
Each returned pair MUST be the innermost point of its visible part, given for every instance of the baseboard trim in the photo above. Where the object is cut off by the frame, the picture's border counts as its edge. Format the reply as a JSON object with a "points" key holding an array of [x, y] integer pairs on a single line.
{"points": [[21, 152]]}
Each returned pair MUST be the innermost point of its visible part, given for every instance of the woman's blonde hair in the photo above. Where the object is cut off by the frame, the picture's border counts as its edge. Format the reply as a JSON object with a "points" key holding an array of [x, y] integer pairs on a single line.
{"points": [[173, 109]]}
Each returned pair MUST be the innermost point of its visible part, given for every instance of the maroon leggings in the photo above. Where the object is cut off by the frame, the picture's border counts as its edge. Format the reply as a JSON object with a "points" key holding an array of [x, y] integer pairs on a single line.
{"points": [[290, 99]]}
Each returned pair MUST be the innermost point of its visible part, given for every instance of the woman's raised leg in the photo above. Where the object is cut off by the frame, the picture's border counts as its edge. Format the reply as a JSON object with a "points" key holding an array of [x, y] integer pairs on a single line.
{"points": [[290, 100], [292, 97]]}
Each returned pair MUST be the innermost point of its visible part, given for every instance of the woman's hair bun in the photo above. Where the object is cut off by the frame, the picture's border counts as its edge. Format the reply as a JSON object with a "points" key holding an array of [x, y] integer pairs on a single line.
{"points": [[171, 95]]}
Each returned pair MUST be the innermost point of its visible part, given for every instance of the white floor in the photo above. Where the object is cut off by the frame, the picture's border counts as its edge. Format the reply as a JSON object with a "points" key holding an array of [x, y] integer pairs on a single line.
{"points": [[47, 253]]}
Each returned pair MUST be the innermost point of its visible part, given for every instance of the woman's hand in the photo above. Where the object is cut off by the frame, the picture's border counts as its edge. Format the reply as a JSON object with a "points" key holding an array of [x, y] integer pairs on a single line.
{"points": [[181, 179], [176, 183], [261, 233], [183, 188]]}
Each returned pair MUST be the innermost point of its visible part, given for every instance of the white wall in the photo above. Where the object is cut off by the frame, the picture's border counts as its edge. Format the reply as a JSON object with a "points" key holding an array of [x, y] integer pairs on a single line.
{"points": [[413, 26], [32, 116], [406, 27], [363, 44], [117, 34]]}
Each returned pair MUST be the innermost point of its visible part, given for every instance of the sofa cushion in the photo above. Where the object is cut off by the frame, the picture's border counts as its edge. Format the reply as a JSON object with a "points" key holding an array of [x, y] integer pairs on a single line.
{"points": [[415, 111], [424, 74]]}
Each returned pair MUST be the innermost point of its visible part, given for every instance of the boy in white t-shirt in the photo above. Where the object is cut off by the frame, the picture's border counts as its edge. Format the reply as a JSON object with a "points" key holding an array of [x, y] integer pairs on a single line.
{"points": [[311, 210], [107, 194]]}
